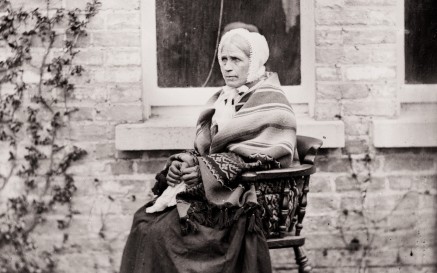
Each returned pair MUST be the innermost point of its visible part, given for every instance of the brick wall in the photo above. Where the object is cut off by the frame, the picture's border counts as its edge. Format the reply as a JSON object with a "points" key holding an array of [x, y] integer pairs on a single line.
{"points": [[368, 208]]}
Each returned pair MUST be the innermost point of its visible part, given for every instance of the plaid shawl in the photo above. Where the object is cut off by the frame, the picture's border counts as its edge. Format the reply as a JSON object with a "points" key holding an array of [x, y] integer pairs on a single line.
{"points": [[261, 135]]}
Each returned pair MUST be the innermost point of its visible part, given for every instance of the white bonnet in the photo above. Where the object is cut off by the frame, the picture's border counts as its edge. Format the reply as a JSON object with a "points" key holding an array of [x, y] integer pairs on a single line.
{"points": [[259, 51]]}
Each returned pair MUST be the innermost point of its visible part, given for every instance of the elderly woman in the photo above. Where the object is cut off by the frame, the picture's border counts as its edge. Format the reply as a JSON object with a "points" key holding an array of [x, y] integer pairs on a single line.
{"points": [[217, 223]]}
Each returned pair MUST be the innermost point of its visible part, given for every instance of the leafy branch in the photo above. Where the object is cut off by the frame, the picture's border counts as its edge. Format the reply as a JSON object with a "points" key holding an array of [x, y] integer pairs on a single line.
{"points": [[32, 117]]}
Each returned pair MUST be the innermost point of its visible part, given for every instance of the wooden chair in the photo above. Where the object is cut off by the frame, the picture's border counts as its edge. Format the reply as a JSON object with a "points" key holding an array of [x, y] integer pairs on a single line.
{"points": [[283, 195]]}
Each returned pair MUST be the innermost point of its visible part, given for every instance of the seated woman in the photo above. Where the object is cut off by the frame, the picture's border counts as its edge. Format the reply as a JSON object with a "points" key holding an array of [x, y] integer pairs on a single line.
{"points": [[217, 225]]}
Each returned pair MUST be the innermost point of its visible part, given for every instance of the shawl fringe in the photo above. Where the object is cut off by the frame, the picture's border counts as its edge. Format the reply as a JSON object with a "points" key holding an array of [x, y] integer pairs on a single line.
{"points": [[220, 217]]}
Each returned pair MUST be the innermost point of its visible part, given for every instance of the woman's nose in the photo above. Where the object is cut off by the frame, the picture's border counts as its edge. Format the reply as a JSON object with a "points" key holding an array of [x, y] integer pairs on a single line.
{"points": [[227, 66]]}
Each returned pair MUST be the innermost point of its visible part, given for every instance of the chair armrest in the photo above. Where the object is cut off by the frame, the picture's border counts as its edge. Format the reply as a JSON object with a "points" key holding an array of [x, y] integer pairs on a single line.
{"points": [[298, 170], [307, 148]]}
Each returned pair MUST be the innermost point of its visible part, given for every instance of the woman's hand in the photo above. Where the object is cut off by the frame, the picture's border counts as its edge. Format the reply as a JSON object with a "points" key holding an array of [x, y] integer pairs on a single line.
{"points": [[190, 175], [187, 158], [174, 173]]}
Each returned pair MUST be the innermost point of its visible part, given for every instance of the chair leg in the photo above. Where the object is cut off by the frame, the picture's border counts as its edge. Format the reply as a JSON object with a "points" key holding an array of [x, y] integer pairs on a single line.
{"points": [[302, 260]]}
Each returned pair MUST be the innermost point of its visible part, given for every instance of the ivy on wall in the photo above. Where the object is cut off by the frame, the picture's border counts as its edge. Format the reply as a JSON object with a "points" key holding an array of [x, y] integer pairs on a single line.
{"points": [[36, 72]]}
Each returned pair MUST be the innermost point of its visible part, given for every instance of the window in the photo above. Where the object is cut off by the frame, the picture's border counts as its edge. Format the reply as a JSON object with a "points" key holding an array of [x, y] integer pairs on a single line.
{"points": [[420, 41], [179, 38], [187, 32], [417, 45]]}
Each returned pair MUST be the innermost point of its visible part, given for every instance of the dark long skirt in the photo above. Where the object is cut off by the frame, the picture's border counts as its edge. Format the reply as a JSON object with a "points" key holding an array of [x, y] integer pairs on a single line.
{"points": [[155, 245]]}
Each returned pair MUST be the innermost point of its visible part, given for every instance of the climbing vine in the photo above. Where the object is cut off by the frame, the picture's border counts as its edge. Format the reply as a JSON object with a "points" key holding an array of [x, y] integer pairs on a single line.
{"points": [[359, 238], [37, 65]]}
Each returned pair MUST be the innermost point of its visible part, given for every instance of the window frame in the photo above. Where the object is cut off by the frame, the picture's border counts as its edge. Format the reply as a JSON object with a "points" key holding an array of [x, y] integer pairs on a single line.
{"points": [[409, 93], [195, 96]]}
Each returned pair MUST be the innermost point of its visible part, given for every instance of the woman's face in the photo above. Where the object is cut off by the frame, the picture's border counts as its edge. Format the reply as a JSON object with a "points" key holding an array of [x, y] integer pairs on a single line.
{"points": [[234, 65]]}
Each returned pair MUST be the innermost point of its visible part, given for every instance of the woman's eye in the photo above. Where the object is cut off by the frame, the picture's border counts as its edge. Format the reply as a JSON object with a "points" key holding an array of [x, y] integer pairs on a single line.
{"points": [[235, 59]]}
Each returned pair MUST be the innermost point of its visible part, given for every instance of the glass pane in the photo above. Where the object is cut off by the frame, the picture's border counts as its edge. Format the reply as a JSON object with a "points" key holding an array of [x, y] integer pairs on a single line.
{"points": [[187, 32], [420, 41]]}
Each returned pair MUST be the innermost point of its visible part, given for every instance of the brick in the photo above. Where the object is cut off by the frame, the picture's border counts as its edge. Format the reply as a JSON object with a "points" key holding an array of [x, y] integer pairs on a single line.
{"points": [[355, 91], [382, 90], [37, 56], [329, 164], [370, 2], [327, 74], [351, 202], [30, 76], [123, 75], [116, 39], [125, 93], [122, 57], [82, 262], [364, 17], [321, 240], [328, 91], [89, 94], [346, 183], [327, 110], [86, 132], [76, 4], [417, 182], [383, 257], [357, 145], [329, 55], [122, 167], [428, 202], [376, 183], [356, 125], [121, 5], [403, 269], [98, 22], [105, 150], [89, 76], [369, 73], [86, 186], [319, 223], [152, 167], [131, 113], [322, 204], [399, 222], [320, 183], [378, 201], [83, 41], [366, 37], [386, 55], [82, 114], [369, 108], [356, 55], [31, 5], [332, 4], [140, 186], [329, 37], [89, 57], [87, 167], [332, 258], [408, 163], [118, 21], [417, 256]]}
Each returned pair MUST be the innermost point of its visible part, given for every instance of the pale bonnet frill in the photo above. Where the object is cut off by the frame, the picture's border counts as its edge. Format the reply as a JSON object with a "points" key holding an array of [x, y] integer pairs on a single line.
{"points": [[259, 54]]}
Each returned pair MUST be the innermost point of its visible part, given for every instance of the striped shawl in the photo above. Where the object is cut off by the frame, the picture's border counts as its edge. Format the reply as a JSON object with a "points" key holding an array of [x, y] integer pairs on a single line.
{"points": [[261, 135]]}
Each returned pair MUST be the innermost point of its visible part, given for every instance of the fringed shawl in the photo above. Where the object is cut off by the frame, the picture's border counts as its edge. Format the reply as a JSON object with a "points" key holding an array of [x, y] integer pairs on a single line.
{"points": [[261, 135]]}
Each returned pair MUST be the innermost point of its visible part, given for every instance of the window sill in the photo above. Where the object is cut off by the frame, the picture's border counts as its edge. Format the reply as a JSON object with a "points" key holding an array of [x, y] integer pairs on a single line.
{"points": [[405, 132], [170, 134]]}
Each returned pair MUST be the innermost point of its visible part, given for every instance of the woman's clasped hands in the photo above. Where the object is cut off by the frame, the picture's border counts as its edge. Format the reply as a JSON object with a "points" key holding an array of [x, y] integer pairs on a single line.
{"points": [[183, 167]]}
